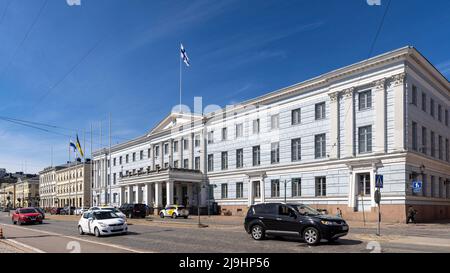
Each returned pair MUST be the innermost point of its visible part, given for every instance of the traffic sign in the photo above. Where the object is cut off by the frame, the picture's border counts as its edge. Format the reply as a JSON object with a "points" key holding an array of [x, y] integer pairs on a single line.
{"points": [[417, 186], [379, 181], [377, 196]]}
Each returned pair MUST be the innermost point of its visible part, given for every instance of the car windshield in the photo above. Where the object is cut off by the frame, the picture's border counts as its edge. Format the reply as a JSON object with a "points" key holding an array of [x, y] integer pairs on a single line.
{"points": [[111, 209], [306, 210], [102, 215], [27, 211]]}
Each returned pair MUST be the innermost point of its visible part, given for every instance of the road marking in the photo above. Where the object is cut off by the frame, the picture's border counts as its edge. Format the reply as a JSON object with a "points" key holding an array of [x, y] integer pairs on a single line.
{"points": [[80, 239], [14, 242]]}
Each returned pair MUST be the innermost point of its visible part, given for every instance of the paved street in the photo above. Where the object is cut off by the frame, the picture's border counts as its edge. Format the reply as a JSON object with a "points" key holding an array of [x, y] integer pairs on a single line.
{"points": [[176, 236]]}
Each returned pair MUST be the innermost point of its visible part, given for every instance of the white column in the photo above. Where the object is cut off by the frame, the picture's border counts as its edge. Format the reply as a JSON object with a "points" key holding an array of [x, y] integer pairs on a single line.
{"points": [[171, 153], [161, 153], [169, 192], [158, 194], [250, 192], [334, 125], [352, 190], [153, 157], [349, 122], [191, 152], [399, 111], [380, 116], [130, 194], [263, 189]]}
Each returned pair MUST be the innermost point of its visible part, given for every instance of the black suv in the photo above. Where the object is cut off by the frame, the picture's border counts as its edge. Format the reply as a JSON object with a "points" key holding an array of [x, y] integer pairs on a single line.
{"points": [[134, 210], [293, 219]]}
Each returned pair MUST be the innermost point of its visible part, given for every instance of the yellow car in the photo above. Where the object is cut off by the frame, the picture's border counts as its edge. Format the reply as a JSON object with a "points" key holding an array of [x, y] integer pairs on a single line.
{"points": [[174, 211]]}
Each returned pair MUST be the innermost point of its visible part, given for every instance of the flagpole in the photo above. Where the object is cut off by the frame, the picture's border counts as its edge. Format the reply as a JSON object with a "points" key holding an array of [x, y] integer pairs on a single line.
{"points": [[91, 174], [110, 163], [180, 79]]}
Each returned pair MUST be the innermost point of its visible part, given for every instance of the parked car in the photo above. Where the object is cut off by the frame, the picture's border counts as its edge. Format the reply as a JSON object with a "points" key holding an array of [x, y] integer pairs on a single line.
{"points": [[79, 211], [113, 209], [55, 211], [174, 211], [293, 219], [26, 216], [68, 210], [134, 210], [101, 222], [41, 211]]}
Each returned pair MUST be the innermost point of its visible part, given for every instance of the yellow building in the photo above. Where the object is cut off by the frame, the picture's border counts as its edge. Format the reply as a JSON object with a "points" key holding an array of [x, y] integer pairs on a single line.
{"points": [[27, 192], [8, 191], [65, 185]]}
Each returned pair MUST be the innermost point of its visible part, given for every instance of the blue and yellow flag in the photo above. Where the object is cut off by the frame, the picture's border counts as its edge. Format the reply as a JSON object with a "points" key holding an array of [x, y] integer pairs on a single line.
{"points": [[79, 147]]}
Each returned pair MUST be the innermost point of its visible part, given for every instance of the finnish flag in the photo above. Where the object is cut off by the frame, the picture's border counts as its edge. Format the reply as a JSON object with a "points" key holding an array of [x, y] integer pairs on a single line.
{"points": [[184, 56]]}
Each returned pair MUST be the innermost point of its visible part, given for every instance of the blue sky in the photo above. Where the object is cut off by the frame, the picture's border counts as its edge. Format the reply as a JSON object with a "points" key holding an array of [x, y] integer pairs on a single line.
{"points": [[71, 66]]}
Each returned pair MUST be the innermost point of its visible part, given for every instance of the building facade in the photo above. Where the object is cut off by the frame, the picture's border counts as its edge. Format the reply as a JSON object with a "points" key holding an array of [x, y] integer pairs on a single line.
{"points": [[320, 142], [27, 192], [163, 167], [66, 185]]}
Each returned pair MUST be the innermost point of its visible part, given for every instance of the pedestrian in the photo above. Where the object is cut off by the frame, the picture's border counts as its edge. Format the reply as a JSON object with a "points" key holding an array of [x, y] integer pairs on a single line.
{"points": [[411, 215], [339, 213]]}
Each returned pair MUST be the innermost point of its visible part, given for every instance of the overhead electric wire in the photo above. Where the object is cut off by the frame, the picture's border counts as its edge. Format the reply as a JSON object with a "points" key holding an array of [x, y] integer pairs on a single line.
{"points": [[36, 19], [5, 11]]}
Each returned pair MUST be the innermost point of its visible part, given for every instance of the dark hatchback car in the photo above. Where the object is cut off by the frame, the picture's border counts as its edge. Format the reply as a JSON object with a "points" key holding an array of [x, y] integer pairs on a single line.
{"points": [[56, 211], [293, 219], [134, 210]]}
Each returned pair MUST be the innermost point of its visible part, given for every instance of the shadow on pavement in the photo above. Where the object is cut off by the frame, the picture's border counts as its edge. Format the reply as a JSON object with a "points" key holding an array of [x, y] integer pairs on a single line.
{"points": [[341, 241]]}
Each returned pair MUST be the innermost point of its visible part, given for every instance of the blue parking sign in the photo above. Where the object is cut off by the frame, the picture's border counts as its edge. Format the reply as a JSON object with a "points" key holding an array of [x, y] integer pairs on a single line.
{"points": [[417, 186], [379, 181]]}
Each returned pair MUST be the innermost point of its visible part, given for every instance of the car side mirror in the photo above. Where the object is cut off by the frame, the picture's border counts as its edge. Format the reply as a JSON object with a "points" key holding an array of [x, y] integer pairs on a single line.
{"points": [[91, 219], [293, 215]]}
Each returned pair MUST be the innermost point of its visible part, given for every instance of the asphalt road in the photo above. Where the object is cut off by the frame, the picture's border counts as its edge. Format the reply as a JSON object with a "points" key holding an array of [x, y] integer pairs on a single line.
{"points": [[62, 237]]}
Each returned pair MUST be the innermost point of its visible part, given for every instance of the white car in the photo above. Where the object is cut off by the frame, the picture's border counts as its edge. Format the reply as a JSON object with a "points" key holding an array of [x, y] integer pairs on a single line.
{"points": [[80, 211], [101, 222], [174, 211], [116, 211]]}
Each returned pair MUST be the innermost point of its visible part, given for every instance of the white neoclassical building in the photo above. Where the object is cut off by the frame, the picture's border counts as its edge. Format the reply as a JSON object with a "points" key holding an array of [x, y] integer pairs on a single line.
{"points": [[319, 142]]}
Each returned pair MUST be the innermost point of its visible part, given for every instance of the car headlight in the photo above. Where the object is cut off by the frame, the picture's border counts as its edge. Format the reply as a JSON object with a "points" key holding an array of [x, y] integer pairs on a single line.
{"points": [[327, 223], [102, 224]]}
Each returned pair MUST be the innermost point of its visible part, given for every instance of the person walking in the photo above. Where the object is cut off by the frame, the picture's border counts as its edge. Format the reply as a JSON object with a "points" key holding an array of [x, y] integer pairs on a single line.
{"points": [[339, 213], [411, 215]]}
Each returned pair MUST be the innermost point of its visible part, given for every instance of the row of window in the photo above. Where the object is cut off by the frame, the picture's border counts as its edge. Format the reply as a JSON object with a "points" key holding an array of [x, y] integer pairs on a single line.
{"points": [[433, 151], [185, 144], [364, 98], [296, 188], [424, 103], [364, 146]]}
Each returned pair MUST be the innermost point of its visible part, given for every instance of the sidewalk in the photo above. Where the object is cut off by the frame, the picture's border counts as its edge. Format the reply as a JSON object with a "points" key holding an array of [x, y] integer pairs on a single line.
{"points": [[7, 246]]}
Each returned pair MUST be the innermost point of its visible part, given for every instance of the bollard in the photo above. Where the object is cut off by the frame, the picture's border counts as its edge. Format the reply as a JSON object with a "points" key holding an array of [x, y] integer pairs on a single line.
{"points": [[1, 233]]}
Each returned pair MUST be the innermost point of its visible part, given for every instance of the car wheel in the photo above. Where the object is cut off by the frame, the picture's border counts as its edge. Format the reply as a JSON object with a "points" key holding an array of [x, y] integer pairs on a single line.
{"points": [[97, 232], [14, 222], [174, 215], [80, 230], [311, 236], [185, 217], [161, 215], [258, 232]]}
